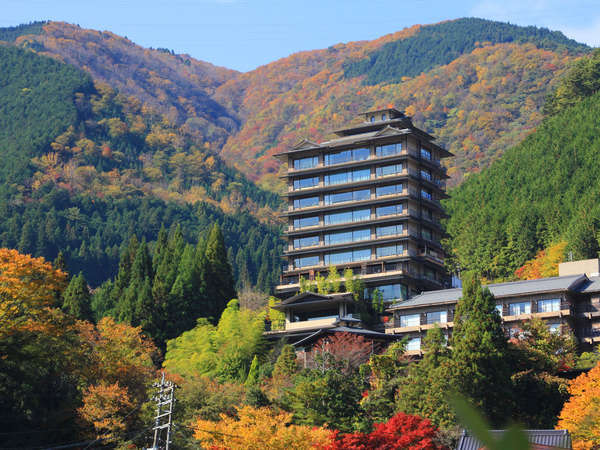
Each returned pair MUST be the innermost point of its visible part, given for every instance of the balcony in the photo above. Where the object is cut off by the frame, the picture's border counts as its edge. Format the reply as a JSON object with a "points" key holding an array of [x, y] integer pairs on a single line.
{"points": [[326, 322]]}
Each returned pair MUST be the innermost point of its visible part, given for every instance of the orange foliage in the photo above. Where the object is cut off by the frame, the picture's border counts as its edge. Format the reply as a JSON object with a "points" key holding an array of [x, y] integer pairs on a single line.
{"points": [[581, 413], [257, 429], [545, 263]]}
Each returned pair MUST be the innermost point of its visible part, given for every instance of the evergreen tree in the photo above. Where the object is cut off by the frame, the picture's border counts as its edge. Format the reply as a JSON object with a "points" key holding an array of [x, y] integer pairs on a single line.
{"points": [[219, 279], [480, 365], [253, 373], [60, 262], [76, 298], [286, 364]]}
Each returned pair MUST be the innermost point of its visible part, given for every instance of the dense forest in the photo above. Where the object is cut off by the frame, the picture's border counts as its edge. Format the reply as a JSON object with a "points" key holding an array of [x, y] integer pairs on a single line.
{"points": [[542, 192], [86, 168], [440, 44], [478, 99]]}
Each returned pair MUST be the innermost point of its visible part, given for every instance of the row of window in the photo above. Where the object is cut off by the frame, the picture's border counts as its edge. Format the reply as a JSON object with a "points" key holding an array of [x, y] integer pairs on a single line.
{"points": [[349, 176], [356, 215], [514, 309], [350, 196], [343, 237], [357, 154], [349, 256]]}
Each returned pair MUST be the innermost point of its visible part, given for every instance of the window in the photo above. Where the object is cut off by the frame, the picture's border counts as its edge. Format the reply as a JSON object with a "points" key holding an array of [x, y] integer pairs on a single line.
{"points": [[437, 317], [515, 309], [332, 199], [357, 154], [303, 183], [391, 292], [306, 262], [388, 150], [306, 202], [410, 320], [426, 234], [347, 256], [426, 194], [306, 163], [383, 117], [549, 305], [348, 236], [390, 250], [305, 222], [414, 344], [386, 171], [554, 327], [500, 309], [390, 189], [357, 215], [372, 118], [310, 241], [390, 230], [426, 174], [425, 153], [347, 177], [389, 210]]}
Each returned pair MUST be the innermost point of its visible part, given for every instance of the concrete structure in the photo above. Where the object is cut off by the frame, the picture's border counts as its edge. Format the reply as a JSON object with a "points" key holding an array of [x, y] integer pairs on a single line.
{"points": [[368, 200], [539, 439], [571, 301]]}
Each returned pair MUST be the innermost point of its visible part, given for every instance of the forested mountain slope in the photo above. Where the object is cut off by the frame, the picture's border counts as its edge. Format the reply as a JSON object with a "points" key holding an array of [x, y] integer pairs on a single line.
{"points": [[477, 85], [541, 192], [84, 168]]}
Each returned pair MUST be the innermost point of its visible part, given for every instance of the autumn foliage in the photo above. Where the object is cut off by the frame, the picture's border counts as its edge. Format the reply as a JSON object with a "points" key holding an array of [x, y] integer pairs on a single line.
{"points": [[581, 413], [258, 429], [401, 432], [545, 263]]}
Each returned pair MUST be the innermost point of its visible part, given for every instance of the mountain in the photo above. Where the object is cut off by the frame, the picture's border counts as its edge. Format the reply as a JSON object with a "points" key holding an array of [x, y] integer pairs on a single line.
{"points": [[85, 167], [477, 85], [541, 192]]}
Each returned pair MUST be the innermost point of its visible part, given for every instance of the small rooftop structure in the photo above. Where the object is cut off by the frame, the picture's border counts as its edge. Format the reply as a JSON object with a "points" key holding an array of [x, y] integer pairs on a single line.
{"points": [[540, 439], [590, 267]]}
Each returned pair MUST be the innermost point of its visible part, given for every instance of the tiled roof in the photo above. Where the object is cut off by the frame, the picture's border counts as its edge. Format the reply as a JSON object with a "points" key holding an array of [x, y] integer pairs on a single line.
{"points": [[593, 285], [546, 438], [500, 290]]}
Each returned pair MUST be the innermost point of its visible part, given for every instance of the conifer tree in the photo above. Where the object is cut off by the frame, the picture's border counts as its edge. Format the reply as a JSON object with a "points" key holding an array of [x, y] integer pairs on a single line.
{"points": [[286, 364], [76, 298], [60, 262], [253, 373], [219, 279], [480, 365]]}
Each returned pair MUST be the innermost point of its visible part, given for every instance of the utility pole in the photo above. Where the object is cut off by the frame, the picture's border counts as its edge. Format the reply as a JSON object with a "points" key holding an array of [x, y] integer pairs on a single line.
{"points": [[165, 398]]}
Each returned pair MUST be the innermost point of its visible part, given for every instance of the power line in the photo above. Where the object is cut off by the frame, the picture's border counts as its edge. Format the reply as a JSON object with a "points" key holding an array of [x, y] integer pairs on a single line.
{"points": [[165, 400]]}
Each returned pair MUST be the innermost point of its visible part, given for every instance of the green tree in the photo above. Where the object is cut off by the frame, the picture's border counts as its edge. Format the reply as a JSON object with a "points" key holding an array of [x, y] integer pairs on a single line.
{"points": [[286, 364], [253, 373], [480, 366], [220, 283], [76, 299]]}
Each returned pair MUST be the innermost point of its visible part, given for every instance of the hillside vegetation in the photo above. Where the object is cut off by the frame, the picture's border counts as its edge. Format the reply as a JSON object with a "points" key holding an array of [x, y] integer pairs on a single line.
{"points": [[85, 168], [541, 192], [478, 85]]}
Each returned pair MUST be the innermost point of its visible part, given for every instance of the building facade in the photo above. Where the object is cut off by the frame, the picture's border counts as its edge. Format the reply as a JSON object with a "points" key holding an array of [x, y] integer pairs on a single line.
{"points": [[368, 200]]}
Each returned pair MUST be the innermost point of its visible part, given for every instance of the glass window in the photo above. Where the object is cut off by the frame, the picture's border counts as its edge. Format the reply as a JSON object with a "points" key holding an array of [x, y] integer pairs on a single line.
{"points": [[347, 177], [363, 194], [425, 153], [360, 175], [304, 222], [391, 292], [426, 194], [385, 171], [306, 163], [310, 241], [500, 309], [516, 309], [549, 305], [357, 154], [332, 199], [348, 216], [426, 234], [347, 236], [372, 118], [390, 230], [410, 320], [437, 317], [426, 213], [389, 210], [390, 250], [383, 117], [414, 344], [306, 261], [390, 189], [554, 327], [306, 202], [388, 150], [303, 183], [347, 256], [426, 174]]}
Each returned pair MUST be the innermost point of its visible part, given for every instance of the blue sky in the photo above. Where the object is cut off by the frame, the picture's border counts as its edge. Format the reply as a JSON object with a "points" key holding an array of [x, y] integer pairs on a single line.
{"points": [[244, 34]]}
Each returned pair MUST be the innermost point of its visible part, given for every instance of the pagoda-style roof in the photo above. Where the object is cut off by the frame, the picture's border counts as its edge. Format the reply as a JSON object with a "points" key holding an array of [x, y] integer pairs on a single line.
{"points": [[310, 299]]}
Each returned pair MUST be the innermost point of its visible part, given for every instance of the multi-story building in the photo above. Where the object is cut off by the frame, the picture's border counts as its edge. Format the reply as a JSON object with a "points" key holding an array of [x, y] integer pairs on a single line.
{"points": [[368, 200], [569, 301]]}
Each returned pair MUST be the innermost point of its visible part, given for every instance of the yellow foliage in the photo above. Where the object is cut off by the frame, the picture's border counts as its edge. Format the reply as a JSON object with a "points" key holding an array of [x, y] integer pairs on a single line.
{"points": [[545, 263], [581, 413], [258, 429]]}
